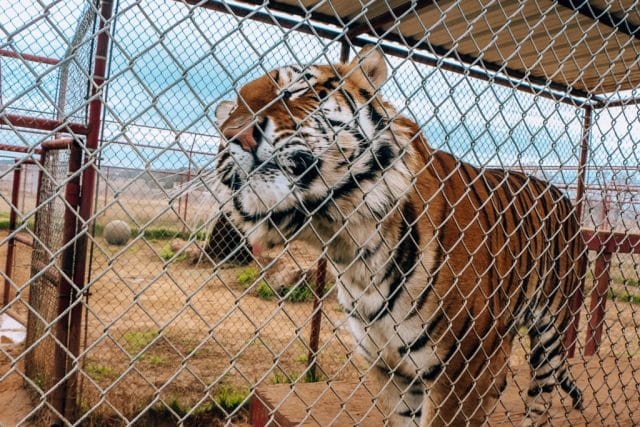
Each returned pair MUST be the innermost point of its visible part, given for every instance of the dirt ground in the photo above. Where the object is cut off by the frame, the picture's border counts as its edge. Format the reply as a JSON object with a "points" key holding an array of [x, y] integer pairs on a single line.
{"points": [[173, 338], [15, 403]]}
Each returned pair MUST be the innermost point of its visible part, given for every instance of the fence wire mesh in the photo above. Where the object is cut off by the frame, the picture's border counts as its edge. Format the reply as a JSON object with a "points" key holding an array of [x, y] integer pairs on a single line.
{"points": [[206, 224]]}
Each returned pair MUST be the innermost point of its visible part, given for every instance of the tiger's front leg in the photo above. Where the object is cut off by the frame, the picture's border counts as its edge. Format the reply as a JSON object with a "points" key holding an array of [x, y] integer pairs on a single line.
{"points": [[400, 399]]}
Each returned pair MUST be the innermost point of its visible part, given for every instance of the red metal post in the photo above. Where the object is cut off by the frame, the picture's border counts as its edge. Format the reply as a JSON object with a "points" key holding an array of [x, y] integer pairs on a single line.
{"points": [[577, 298], [316, 320], [57, 144], [66, 291], [598, 303], [582, 167], [24, 188], [13, 219], [68, 387]]}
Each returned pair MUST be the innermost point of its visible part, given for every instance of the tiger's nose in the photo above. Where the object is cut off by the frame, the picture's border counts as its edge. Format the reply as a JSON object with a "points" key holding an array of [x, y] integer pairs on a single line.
{"points": [[242, 136]]}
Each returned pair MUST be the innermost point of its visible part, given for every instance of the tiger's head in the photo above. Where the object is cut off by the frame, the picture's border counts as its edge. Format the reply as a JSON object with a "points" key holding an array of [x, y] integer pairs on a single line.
{"points": [[308, 149]]}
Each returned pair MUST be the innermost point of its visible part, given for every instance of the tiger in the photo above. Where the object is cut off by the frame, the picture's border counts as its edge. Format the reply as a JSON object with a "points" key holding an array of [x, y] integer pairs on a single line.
{"points": [[438, 263]]}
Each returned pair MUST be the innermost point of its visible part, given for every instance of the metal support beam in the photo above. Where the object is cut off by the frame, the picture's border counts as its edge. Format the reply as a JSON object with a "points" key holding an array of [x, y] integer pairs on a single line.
{"points": [[28, 57], [260, 16], [517, 76], [388, 17], [584, 8], [13, 221], [575, 300]]}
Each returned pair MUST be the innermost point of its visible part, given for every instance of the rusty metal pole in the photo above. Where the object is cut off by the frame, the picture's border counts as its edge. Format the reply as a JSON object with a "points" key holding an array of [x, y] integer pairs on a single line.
{"points": [[321, 277], [66, 293], [578, 294], [13, 220], [316, 321], [24, 188], [598, 303], [87, 194], [70, 324]]}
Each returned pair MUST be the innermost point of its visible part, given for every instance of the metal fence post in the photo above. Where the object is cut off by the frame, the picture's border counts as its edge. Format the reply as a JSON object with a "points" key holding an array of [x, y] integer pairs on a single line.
{"points": [[15, 197], [66, 291], [578, 294], [87, 192], [316, 321], [598, 303]]}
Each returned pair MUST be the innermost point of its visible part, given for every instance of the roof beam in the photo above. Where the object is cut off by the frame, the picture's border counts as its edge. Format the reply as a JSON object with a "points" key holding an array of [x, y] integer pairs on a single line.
{"points": [[618, 103], [470, 60], [584, 8], [501, 80], [254, 13], [388, 17]]}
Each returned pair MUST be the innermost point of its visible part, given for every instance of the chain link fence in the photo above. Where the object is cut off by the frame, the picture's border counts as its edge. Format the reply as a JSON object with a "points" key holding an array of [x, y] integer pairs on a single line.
{"points": [[309, 253]]}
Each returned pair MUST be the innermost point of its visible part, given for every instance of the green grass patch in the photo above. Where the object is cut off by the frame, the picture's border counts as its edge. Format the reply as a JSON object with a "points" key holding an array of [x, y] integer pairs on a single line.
{"points": [[623, 296], [301, 358], [264, 291], [248, 276], [4, 224], [99, 372], [156, 360], [230, 398], [281, 378], [137, 340], [166, 253], [285, 378], [301, 292]]}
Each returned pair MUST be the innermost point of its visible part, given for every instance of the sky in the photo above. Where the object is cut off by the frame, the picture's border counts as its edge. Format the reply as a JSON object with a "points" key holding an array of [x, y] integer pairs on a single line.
{"points": [[172, 64]]}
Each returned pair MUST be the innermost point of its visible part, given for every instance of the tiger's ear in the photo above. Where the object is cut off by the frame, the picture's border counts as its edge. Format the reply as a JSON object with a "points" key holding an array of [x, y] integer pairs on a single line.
{"points": [[223, 110], [370, 60]]}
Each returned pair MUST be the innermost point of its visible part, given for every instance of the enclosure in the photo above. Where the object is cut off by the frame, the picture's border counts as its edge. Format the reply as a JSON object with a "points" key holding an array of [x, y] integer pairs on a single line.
{"points": [[108, 113]]}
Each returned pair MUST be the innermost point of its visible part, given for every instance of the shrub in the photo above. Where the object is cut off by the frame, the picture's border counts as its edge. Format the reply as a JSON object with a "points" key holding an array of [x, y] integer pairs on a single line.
{"points": [[264, 291], [248, 276], [166, 253]]}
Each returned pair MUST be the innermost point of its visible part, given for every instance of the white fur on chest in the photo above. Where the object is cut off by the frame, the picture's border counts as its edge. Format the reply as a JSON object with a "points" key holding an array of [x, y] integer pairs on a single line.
{"points": [[361, 296]]}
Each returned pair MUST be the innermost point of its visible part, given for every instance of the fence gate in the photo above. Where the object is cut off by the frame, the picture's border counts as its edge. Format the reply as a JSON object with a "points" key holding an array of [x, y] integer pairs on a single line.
{"points": [[385, 212]]}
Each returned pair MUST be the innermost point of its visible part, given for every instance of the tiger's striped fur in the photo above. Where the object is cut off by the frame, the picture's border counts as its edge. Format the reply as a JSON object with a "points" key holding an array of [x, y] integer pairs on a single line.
{"points": [[438, 262]]}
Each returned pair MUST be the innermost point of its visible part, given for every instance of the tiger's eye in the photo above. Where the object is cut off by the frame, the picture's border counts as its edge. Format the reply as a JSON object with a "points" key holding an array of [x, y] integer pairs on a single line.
{"points": [[322, 94], [286, 94]]}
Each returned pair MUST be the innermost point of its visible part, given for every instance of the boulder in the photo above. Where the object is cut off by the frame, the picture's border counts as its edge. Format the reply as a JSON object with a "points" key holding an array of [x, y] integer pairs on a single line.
{"points": [[117, 232]]}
